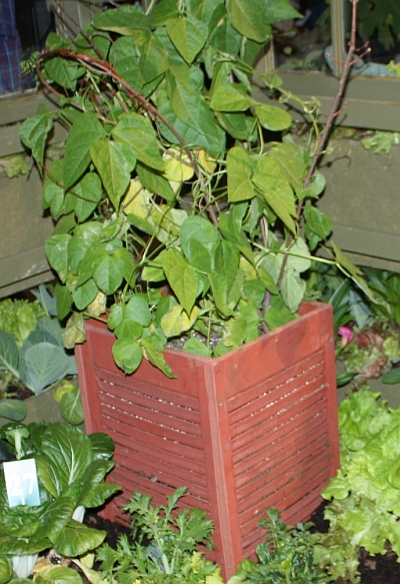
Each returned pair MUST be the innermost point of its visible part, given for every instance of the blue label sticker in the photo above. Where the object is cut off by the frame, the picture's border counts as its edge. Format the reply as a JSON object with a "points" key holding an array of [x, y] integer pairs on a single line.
{"points": [[21, 482]]}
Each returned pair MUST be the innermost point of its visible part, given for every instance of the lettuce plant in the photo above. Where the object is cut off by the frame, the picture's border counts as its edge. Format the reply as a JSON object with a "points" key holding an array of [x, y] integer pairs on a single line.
{"points": [[71, 469], [364, 497]]}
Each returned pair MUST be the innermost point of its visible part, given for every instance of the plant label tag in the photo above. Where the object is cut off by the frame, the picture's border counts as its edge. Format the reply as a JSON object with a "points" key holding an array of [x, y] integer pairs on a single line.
{"points": [[21, 482]]}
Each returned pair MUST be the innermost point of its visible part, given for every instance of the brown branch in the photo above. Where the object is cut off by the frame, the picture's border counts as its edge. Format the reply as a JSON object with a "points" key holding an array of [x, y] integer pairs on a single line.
{"points": [[102, 67], [349, 61], [56, 7]]}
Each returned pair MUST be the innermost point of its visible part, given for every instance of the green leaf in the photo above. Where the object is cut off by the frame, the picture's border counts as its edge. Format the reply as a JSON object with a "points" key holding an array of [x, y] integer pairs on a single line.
{"points": [[225, 38], [85, 294], [94, 491], [344, 378], [126, 63], [34, 133], [125, 20], [138, 133], [227, 261], [71, 406], [254, 291], [102, 445], [6, 569], [226, 291], [247, 18], [207, 134], [88, 194], [176, 321], [9, 353], [56, 248], [196, 347], [317, 221], [189, 36], [277, 10], [345, 264], [392, 376], [185, 101], [273, 118], [240, 187], [299, 258], [127, 355], [45, 364], [182, 278], [109, 274], [155, 355], [289, 161], [128, 329], [278, 313], [162, 11], [76, 539], [226, 98], [209, 11], [115, 162], [153, 61], [137, 309], [292, 288], [230, 232], [155, 183], [13, 409], [195, 228], [85, 130], [74, 331], [55, 517], [58, 575], [238, 125], [276, 191], [268, 281], [67, 455], [65, 72]]}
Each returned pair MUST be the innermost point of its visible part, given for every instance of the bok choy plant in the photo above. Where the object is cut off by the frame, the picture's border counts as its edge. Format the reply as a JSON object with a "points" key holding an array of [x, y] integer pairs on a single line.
{"points": [[71, 468]]}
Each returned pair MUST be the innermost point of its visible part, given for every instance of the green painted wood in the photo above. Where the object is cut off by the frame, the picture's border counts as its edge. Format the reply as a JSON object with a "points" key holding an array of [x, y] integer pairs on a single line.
{"points": [[362, 199], [369, 102], [24, 228]]}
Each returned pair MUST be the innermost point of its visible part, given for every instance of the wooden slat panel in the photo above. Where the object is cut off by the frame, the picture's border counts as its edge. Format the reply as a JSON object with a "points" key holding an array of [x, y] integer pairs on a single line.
{"points": [[241, 449]]}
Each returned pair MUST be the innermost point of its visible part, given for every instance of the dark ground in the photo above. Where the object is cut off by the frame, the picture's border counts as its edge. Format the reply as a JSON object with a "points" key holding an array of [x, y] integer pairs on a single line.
{"points": [[374, 570]]}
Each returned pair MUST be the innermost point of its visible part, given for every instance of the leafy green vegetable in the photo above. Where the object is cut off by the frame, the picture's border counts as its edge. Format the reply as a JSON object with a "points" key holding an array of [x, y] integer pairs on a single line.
{"points": [[32, 354], [287, 555], [165, 545], [364, 508], [71, 469], [20, 317]]}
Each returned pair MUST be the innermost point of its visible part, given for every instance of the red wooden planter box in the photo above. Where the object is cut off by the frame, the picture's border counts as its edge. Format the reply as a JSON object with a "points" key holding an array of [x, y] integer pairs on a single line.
{"points": [[253, 429]]}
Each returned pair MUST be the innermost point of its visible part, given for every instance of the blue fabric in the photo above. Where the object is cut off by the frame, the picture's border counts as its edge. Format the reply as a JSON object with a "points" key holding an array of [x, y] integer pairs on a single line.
{"points": [[10, 49]]}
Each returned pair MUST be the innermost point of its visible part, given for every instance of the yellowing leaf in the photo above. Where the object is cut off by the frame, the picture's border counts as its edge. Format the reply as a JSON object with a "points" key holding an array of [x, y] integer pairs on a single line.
{"points": [[168, 222], [247, 269], [136, 200], [177, 168], [176, 321], [206, 161]]}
